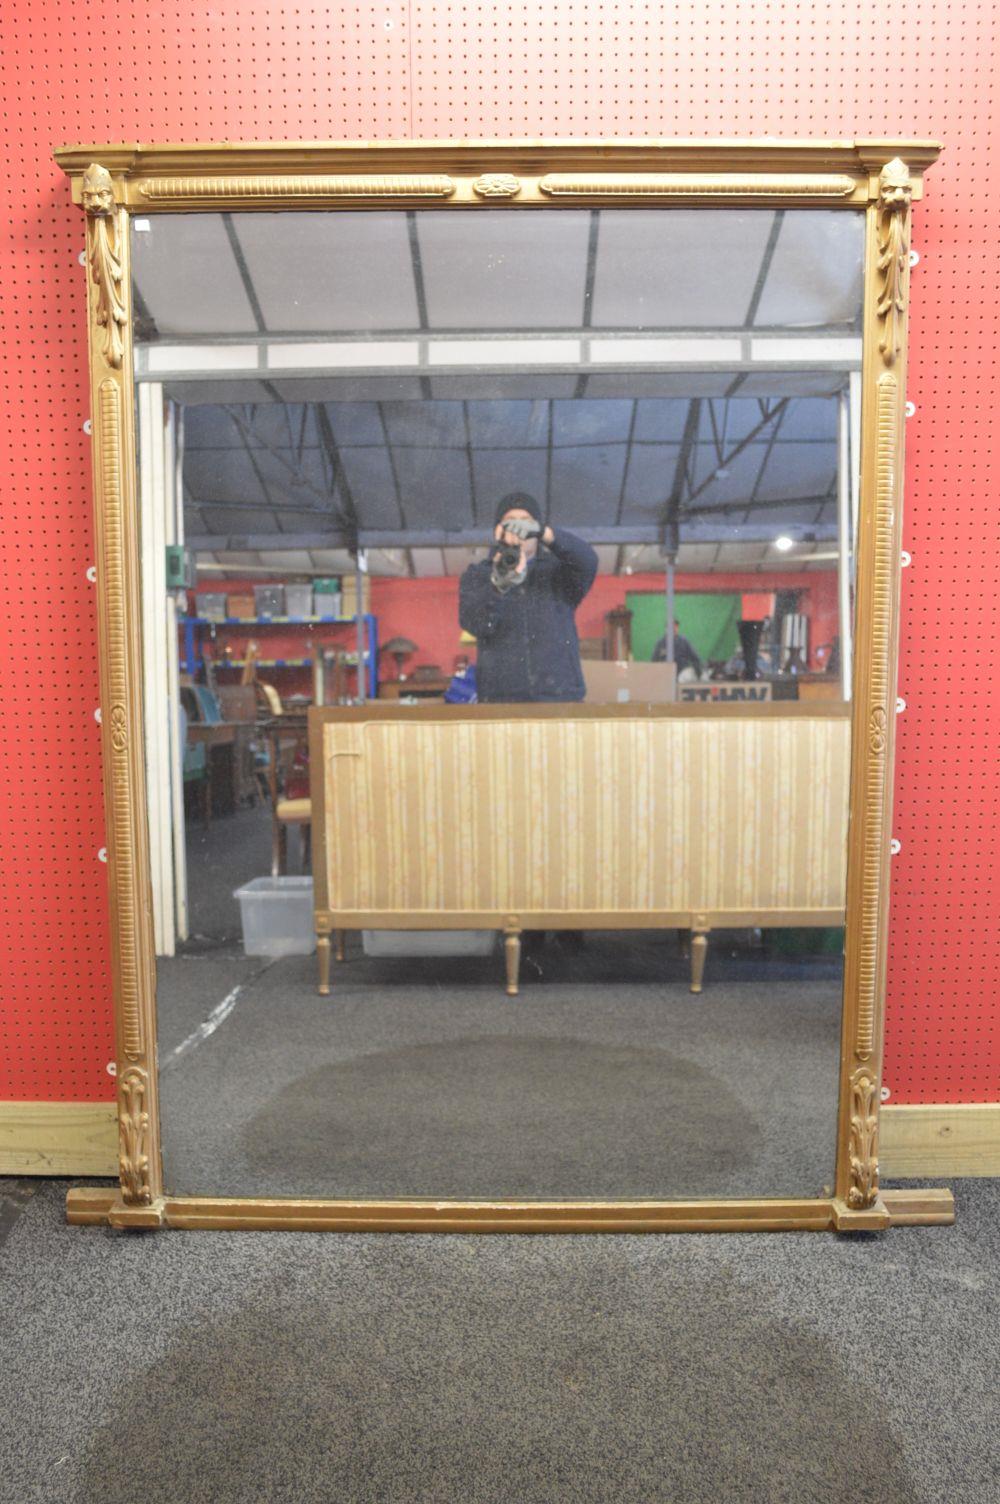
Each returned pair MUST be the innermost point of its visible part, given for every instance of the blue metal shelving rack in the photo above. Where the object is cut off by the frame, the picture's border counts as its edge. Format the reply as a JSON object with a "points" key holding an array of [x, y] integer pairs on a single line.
{"points": [[192, 656]]}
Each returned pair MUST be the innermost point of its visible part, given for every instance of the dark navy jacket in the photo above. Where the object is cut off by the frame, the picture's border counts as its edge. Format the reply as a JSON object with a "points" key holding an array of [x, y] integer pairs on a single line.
{"points": [[526, 642]]}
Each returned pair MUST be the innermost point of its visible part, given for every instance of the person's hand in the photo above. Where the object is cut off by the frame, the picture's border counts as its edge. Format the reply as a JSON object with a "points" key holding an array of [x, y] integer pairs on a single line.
{"points": [[523, 528]]}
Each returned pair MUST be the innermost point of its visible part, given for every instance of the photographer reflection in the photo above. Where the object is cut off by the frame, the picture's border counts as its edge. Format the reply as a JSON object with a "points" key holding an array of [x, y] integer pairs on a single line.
{"points": [[520, 606]]}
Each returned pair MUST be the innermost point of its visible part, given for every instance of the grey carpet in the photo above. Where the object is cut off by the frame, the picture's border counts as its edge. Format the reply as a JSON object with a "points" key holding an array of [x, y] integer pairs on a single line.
{"points": [[385, 1369], [606, 1078], [221, 857], [426, 1080]]}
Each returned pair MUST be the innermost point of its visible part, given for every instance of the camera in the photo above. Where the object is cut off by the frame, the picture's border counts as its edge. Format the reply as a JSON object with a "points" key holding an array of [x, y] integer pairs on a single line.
{"points": [[506, 563]]}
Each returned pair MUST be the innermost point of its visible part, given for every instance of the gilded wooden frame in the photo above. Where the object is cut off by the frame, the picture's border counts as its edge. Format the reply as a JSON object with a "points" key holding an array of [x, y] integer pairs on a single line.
{"points": [[112, 183]]}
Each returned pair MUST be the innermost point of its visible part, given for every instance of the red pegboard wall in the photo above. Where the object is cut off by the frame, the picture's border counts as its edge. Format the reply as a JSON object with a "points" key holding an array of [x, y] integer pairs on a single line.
{"points": [[103, 70]]}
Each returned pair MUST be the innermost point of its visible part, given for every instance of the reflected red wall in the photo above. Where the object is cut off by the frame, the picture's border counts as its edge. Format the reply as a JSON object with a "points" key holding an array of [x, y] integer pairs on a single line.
{"points": [[247, 70], [426, 611]]}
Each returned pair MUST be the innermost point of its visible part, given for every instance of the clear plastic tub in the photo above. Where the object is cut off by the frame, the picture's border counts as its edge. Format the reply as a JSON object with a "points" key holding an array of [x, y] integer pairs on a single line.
{"points": [[428, 942], [299, 600], [277, 915]]}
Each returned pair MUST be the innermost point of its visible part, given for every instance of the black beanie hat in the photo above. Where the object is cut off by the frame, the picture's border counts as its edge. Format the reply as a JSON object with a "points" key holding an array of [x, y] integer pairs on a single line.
{"points": [[522, 501]]}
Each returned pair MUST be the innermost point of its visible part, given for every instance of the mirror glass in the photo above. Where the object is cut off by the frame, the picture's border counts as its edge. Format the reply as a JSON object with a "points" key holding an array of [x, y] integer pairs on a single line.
{"points": [[543, 521]]}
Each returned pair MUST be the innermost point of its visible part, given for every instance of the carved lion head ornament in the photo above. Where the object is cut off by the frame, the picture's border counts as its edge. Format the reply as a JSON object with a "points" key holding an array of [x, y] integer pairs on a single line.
{"points": [[98, 190], [895, 187]]}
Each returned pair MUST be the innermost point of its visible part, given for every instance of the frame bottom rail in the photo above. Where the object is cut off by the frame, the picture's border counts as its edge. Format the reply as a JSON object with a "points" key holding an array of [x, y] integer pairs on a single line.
{"points": [[103, 1206]]}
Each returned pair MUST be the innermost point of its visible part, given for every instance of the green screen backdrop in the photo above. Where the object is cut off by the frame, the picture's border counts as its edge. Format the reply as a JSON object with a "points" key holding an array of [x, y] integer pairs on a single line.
{"points": [[708, 621]]}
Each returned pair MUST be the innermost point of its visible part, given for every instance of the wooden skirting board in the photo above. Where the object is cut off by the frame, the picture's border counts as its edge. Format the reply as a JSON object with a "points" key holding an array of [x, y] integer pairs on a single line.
{"points": [[939, 1139], [58, 1138], [80, 1138]]}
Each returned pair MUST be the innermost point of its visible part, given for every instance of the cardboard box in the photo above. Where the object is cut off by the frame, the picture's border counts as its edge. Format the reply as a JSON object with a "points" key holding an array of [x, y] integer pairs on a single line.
{"points": [[349, 595], [621, 683], [241, 606]]}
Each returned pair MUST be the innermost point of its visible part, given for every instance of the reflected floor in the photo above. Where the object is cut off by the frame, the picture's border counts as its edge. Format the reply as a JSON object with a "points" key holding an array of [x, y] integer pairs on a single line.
{"points": [[606, 1078]]}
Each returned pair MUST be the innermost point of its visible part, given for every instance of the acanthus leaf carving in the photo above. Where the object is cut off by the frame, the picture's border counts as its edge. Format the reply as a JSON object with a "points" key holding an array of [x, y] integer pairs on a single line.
{"points": [[895, 194], [105, 262], [133, 1136], [863, 1140]]}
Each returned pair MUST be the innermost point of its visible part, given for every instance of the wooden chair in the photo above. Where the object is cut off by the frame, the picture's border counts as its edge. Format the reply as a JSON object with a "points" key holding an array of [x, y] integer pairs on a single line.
{"points": [[291, 812]]}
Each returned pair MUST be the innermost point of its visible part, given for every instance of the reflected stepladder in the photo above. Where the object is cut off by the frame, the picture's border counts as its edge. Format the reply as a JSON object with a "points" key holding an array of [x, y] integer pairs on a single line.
{"points": [[558, 530]]}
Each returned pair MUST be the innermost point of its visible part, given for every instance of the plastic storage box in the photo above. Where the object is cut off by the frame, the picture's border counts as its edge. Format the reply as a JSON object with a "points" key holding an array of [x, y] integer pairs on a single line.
{"points": [[326, 597], [277, 915], [269, 600], [212, 605], [428, 942], [298, 600]]}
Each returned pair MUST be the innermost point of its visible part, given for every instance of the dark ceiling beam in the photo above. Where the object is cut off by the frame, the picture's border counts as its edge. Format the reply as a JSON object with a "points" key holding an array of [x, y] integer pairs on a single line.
{"points": [[719, 509], [772, 440], [470, 462], [244, 271], [391, 457], [743, 444], [417, 268], [258, 473], [623, 489], [765, 268], [698, 530], [340, 488], [305, 508], [657, 443], [689, 438], [144, 324], [255, 542], [593, 235]]}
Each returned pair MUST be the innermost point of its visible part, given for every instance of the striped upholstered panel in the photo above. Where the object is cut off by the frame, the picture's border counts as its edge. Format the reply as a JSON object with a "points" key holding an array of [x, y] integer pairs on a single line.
{"points": [[587, 814]]}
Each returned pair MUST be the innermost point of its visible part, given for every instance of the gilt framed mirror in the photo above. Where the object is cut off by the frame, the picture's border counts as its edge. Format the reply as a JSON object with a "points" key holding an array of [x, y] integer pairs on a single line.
{"points": [[498, 556]]}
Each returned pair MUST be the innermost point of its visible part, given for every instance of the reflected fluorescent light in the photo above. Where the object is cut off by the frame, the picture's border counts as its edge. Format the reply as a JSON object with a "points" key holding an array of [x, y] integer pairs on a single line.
{"points": [[784, 543], [201, 358], [808, 350], [329, 354], [671, 352], [503, 352]]}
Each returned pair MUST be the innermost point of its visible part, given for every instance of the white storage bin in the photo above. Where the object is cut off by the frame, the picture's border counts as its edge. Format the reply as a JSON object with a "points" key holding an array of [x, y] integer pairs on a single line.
{"points": [[298, 600], [277, 915], [428, 942]]}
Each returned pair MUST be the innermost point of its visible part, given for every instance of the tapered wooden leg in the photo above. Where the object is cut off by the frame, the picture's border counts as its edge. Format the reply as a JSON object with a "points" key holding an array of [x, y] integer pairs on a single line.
{"points": [[512, 954], [323, 955], [338, 944], [699, 950]]}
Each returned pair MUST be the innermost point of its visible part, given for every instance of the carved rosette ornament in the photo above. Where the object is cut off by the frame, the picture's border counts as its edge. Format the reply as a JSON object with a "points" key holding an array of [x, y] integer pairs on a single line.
{"points": [[895, 193], [864, 1140], [105, 261], [133, 1137], [119, 728], [497, 185]]}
